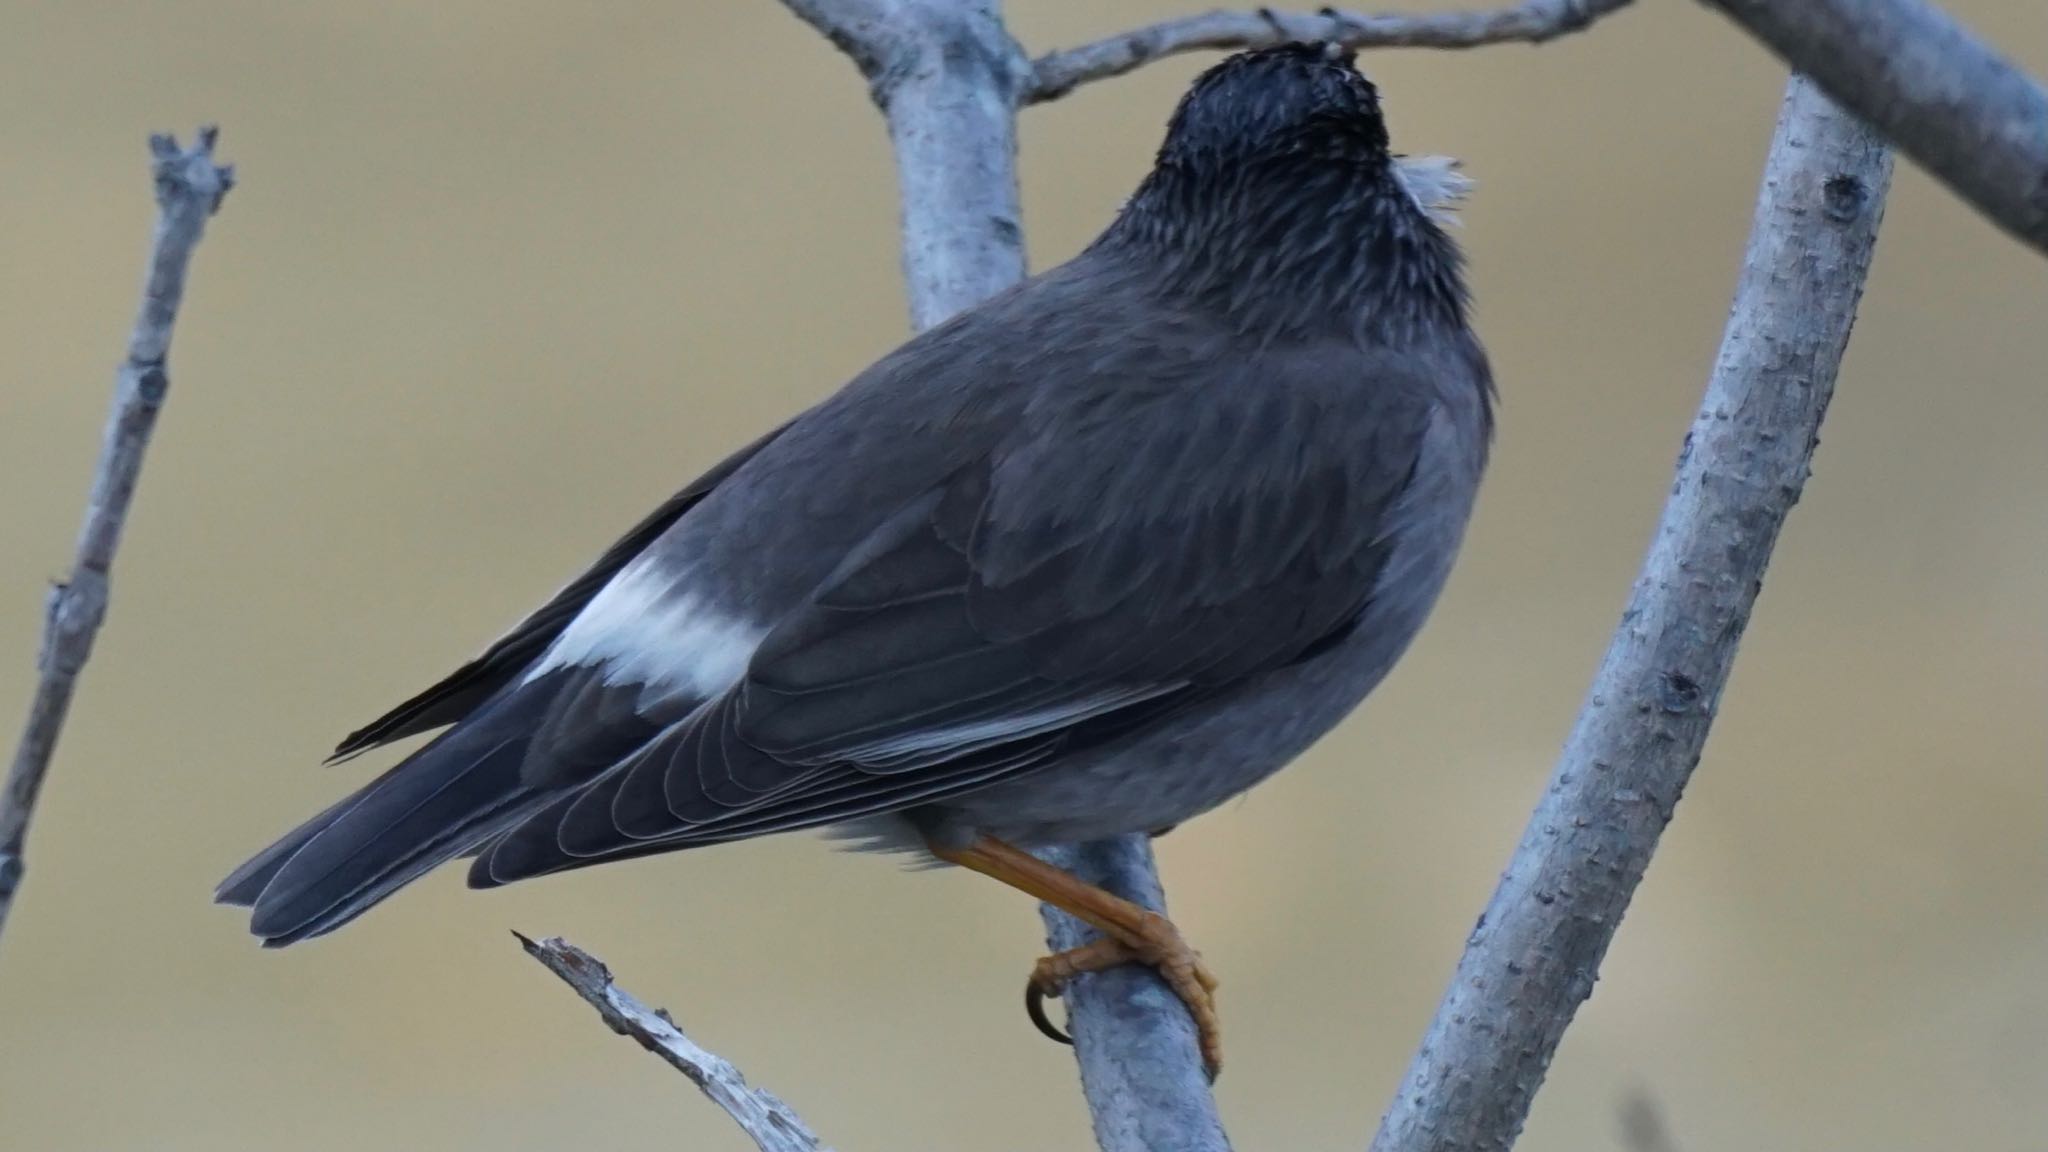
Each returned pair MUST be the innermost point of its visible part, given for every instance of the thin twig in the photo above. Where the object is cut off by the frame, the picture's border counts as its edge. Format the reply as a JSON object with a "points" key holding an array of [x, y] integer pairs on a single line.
{"points": [[1055, 74], [1974, 121], [767, 1120], [1536, 951], [189, 189]]}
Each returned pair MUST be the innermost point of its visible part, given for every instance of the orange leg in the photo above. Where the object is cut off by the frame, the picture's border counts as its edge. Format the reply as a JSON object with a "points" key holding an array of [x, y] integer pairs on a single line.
{"points": [[1131, 935]]}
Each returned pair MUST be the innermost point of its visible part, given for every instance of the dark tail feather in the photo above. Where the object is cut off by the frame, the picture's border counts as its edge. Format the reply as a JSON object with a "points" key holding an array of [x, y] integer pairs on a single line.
{"points": [[246, 883], [463, 840], [462, 789]]}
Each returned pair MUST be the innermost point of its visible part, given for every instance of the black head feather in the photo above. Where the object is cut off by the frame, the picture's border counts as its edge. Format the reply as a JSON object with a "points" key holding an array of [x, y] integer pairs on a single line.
{"points": [[1305, 101], [1275, 201]]}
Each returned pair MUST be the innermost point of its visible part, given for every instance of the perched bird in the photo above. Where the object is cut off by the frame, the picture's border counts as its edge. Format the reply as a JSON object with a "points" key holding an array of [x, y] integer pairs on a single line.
{"points": [[1087, 559]]}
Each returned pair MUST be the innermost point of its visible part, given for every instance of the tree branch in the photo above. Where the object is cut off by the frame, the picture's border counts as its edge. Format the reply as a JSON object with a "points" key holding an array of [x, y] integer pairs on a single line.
{"points": [[1141, 1068], [1055, 74], [1974, 121], [189, 189], [765, 1119], [865, 30], [1535, 952], [949, 79]]}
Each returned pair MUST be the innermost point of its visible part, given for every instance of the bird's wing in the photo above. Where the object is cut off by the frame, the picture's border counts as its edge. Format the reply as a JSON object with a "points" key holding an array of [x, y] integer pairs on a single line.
{"points": [[1129, 548], [461, 691]]}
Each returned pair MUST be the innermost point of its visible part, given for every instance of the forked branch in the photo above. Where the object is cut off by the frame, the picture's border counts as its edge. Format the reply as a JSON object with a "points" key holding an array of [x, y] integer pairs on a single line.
{"points": [[1941, 95]]}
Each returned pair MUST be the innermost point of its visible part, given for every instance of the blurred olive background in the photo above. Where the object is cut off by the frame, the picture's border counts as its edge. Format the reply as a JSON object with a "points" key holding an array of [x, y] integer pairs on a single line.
{"points": [[500, 276]]}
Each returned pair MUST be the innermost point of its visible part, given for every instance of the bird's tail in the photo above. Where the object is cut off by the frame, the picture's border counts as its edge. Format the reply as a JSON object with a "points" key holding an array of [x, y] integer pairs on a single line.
{"points": [[443, 800]]}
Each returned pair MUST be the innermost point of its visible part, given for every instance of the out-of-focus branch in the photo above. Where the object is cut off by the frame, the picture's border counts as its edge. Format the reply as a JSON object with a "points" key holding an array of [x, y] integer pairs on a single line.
{"points": [[1908, 69], [1055, 74], [1642, 1125], [1533, 957], [766, 1120], [189, 188]]}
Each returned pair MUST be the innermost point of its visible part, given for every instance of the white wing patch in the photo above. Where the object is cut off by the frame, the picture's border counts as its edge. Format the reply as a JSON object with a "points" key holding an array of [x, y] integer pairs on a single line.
{"points": [[646, 628]]}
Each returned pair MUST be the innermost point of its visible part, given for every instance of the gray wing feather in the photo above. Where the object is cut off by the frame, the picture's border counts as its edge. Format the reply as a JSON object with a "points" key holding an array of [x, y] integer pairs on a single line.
{"points": [[1119, 555]]}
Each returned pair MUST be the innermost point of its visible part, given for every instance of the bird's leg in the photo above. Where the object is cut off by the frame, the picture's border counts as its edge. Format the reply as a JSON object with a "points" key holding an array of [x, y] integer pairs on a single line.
{"points": [[1131, 935]]}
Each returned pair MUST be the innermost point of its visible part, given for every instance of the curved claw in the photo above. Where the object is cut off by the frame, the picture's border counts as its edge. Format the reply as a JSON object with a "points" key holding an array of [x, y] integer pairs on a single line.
{"points": [[1158, 946], [1034, 1006]]}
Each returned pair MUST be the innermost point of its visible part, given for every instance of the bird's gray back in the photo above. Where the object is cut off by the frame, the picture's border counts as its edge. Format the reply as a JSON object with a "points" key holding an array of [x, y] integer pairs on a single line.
{"points": [[1169, 773]]}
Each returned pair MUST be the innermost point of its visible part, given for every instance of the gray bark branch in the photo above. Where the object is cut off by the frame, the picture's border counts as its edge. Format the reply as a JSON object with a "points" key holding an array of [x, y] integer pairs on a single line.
{"points": [[1057, 73], [189, 188], [949, 80], [1533, 957], [769, 1122], [1141, 1068], [1962, 111]]}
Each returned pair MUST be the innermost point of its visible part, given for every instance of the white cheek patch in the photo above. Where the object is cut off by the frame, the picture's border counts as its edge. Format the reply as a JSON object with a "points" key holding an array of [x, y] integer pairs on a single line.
{"points": [[645, 629], [1435, 183]]}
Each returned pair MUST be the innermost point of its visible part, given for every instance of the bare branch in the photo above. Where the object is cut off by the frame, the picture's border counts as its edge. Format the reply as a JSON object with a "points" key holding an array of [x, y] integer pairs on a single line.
{"points": [[766, 1119], [1974, 121], [946, 75], [1141, 1069], [949, 79], [1536, 951], [865, 30], [1055, 74], [189, 189]]}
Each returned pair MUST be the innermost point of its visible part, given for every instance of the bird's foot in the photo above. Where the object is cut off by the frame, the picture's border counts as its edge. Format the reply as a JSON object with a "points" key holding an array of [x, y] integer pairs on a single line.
{"points": [[1154, 941], [1130, 935]]}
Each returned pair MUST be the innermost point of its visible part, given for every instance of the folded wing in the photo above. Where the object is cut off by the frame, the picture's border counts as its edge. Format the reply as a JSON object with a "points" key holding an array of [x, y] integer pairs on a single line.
{"points": [[1072, 587]]}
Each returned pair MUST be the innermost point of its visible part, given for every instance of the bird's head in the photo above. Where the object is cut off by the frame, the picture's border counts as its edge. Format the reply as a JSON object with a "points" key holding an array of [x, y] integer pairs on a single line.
{"points": [[1275, 198], [1291, 104]]}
